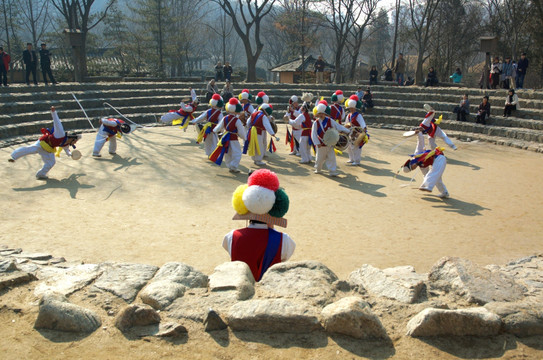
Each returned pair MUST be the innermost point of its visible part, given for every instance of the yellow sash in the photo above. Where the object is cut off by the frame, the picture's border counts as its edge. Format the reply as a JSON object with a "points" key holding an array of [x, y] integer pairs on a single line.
{"points": [[45, 146], [254, 147], [200, 137]]}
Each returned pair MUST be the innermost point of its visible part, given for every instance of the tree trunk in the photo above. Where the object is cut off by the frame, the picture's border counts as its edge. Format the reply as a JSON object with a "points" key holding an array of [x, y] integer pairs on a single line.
{"points": [[419, 76], [251, 68], [395, 34]]}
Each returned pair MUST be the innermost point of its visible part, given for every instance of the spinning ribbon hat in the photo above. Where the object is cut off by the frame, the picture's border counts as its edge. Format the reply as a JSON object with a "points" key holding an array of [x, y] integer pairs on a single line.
{"points": [[261, 199]]}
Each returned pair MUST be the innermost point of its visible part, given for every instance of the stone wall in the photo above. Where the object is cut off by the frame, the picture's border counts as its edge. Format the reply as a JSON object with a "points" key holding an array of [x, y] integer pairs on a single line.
{"points": [[456, 298]]}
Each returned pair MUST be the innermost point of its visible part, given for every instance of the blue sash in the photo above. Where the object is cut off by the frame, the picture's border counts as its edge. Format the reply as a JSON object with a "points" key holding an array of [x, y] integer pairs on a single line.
{"points": [[274, 241]]}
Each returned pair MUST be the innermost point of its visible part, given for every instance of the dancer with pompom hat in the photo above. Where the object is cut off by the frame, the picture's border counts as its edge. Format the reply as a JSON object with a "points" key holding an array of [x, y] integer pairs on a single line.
{"points": [[212, 117], [245, 98], [323, 124], [336, 110], [257, 126], [357, 126], [304, 121], [293, 111], [229, 147], [184, 114], [429, 126], [263, 203]]}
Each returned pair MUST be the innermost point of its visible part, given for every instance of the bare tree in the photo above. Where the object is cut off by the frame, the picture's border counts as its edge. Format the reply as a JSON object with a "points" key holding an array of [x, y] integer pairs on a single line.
{"points": [[512, 17], [422, 16], [396, 24], [36, 17], [246, 18]]}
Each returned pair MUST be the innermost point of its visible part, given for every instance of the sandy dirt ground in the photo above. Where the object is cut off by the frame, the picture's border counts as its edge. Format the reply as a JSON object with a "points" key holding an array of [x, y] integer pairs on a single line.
{"points": [[161, 200]]}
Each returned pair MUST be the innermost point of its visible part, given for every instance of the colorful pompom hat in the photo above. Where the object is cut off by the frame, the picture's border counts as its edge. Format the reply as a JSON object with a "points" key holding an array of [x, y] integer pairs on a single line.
{"points": [[267, 108], [353, 102], [216, 101], [321, 108], [245, 95], [262, 98], [261, 199], [233, 106], [337, 96]]}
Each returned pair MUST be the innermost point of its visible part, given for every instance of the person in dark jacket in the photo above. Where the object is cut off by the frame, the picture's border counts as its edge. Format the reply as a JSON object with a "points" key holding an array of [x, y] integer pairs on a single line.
{"points": [[45, 63], [431, 79], [521, 70], [484, 111], [373, 75], [30, 58], [227, 71], [367, 100], [5, 59], [218, 72]]}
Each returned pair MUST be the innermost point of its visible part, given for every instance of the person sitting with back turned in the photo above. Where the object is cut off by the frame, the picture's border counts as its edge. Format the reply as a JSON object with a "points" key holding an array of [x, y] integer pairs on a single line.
{"points": [[263, 203]]}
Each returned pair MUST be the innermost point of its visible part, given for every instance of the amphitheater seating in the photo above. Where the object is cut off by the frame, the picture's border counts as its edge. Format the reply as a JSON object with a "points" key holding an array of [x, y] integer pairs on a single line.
{"points": [[25, 110]]}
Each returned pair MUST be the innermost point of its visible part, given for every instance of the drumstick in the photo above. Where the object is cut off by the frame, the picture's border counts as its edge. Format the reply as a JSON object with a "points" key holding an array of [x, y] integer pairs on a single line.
{"points": [[394, 148]]}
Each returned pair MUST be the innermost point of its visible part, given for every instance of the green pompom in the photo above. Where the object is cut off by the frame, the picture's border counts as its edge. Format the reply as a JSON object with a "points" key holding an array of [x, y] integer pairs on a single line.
{"points": [[280, 207]]}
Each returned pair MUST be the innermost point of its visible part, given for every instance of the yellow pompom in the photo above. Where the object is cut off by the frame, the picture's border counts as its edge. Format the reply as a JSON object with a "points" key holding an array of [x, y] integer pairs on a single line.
{"points": [[315, 111], [439, 119], [237, 200]]}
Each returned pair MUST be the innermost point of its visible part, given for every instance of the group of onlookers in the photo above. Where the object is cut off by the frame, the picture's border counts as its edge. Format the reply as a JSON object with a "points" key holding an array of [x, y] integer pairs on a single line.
{"points": [[483, 112], [30, 60], [509, 74]]}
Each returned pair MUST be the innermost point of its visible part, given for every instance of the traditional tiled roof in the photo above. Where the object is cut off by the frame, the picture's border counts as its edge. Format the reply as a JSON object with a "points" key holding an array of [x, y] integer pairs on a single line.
{"points": [[296, 65]]}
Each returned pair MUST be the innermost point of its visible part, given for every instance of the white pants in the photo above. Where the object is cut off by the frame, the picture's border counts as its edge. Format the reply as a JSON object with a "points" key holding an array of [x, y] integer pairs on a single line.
{"points": [[355, 153], [326, 154], [47, 157], [305, 149], [432, 177], [298, 136], [101, 138], [210, 143], [440, 134], [262, 144], [233, 156], [168, 118]]}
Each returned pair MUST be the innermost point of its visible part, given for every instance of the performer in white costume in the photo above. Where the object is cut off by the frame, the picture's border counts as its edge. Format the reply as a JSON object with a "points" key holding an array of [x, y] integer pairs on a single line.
{"points": [[229, 146], [432, 164], [211, 117], [47, 145], [184, 115], [322, 123], [358, 126], [257, 126], [110, 129], [430, 127], [304, 122], [245, 99], [293, 111], [337, 112]]}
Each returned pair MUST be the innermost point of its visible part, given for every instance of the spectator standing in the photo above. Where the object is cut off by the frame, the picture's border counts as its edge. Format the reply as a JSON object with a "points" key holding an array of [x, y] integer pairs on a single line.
{"points": [[5, 59], [227, 71], [218, 72], [456, 76], [507, 72], [319, 70], [511, 103], [373, 75], [45, 63], [399, 69], [521, 70], [463, 109], [30, 59], [227, 91], [495, 71], [431, 79], [484, 111], [211, 89]]}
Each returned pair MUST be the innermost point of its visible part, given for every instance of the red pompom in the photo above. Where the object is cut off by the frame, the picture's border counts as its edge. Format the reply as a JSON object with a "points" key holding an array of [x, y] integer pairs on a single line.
{"points": [[354, 97], [323, 102], [261, 94], [265, 178], [339, 92], [233, 101], [216, 97], [245, 90]]}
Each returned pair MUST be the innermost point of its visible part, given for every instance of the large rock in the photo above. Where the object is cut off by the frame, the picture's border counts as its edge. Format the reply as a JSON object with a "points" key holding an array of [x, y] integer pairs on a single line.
{"points": [[170, 282], [195, 304], [65, 281], [14, 278], [33, 256], [400, 283], [273, 315], [528, 272], [352, 316], [213, 321], [124, 280], [520, 319], [308, 281], [182, 274], [56, 313], [136, 315], [160, 294], [440, 322], [235, 275], [476, 284]]}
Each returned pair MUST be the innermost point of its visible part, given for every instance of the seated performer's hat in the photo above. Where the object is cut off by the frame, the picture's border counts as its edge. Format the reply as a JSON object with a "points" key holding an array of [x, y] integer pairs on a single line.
{"points": [[321, 108], [267, 108], [216, 101], [353, 102], [337, 96], [261, 199], [233, 106], [245, 95], [262, 98], [293, 99]]}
